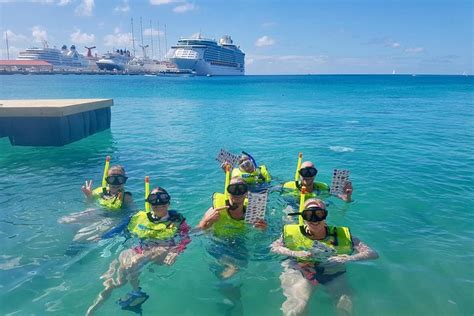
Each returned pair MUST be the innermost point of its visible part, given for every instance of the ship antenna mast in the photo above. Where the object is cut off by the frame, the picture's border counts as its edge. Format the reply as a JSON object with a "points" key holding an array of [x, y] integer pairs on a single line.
{"points": [[133, 40], [166, 44], [159, 42], [8, 49], [141, 30], [151, 36]]}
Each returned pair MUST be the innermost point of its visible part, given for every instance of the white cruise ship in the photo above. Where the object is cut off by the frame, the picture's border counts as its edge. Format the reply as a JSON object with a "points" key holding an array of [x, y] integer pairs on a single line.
{"points": [[64, 58], [206, 57]]}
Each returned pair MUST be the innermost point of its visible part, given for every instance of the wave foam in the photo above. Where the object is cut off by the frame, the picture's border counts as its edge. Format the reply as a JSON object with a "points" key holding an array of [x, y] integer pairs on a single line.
{"points": [[341, 149]]}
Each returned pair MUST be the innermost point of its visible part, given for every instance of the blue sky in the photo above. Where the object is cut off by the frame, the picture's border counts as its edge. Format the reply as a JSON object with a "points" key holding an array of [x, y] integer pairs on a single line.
{"points": [[278, 37]]}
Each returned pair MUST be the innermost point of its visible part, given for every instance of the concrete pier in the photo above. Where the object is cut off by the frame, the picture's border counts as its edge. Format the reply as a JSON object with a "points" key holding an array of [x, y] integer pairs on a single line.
{"points": [[53, 122]]}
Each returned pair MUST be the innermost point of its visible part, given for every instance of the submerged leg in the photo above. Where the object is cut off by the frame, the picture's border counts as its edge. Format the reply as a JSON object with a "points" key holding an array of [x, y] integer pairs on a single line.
{"points": [[124, 274], [296, 289], [341, 292]]}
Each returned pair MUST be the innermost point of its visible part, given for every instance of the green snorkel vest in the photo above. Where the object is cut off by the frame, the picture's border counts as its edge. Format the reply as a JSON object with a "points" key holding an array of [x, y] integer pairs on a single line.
{"points": [[114, 203], [294, 188], [338, 238], [143, 226], [226, 226], [258, 176]]}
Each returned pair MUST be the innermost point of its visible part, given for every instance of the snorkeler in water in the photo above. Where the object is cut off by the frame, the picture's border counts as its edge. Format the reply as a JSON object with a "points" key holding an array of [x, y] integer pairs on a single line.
{"points": [[316, 255], [112, 196], [248, 170], [163, 235], [226, 222], [306, 174], [114, 200]]}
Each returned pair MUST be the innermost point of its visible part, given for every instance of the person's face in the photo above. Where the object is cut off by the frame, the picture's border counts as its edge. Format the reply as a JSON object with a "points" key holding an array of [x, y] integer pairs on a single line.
{"points": [[314, 214], [116, 180], [159, 201], [247, 166], [160, 209], [307, 174], [237, 192]]}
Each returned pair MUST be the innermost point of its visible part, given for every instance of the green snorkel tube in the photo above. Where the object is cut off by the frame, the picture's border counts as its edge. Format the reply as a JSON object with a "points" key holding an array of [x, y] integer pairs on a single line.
{"points": [[106, 172], [298, 166], [302, 199], [147, 192], [227, 181]]}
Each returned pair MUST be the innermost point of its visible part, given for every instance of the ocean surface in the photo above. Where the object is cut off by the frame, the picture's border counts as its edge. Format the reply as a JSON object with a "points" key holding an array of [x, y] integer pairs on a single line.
{"points": [[407, 140]]}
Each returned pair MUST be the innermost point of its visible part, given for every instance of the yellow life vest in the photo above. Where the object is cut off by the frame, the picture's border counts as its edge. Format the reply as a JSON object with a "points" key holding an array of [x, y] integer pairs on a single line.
{"points": [[226, 226], [142, 225], [114, 203], [294, 188], [258, 176], [338, 238]]}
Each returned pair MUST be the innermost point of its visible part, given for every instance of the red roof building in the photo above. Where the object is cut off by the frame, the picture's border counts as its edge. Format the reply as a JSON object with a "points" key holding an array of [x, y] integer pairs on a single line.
{"points": [[25, 65]]}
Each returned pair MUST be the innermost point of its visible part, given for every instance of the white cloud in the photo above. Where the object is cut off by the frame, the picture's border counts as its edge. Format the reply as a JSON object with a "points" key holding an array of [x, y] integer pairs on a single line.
{"points": [[85, 8], [39, 34], [64, 2], [118, 39], [384, 41], [415, 50], [161, 2], [82, 38], [148, 32], [264, 41], [285, 64], [123, 7], [14, 38], [184, 8]]}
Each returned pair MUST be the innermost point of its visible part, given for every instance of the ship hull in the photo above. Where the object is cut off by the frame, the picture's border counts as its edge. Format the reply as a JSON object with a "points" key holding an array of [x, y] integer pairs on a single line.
{"points": [[203, 68], [108, 65]]}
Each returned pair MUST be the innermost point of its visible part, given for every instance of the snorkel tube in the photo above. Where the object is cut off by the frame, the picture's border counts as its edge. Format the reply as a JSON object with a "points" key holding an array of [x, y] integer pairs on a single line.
{"points": [[251, 159], [147, 192], [227, 181], [298, 166], [302, 198], [106, 171]]}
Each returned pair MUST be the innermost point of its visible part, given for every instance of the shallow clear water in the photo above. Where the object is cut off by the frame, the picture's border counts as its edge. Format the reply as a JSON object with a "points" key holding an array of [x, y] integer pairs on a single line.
{"points": [[408, 142]]}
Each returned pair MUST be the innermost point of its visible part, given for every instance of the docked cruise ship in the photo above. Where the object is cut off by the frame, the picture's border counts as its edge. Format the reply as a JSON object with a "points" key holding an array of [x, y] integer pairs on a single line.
{"points": [[203, 57], [64, 58], [115, 61]]}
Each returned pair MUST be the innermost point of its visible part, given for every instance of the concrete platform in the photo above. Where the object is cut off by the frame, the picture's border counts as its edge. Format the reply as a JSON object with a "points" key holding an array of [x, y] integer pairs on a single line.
{"points": [[53, 122]]}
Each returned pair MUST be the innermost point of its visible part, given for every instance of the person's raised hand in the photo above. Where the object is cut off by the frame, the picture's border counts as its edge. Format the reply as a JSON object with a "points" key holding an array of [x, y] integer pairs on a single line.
{"points": [[225, 165], [87, 188]]}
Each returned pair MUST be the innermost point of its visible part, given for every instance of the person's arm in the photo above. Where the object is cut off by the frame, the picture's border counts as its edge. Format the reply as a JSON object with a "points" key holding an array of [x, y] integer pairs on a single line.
{"points": [[210, 217], [363, 252], [278, 247], [128, 201], [184, 229]]}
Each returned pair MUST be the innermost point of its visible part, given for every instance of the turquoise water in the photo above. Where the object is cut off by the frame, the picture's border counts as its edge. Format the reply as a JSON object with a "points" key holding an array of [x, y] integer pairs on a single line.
{"points": [[408, 142]]}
